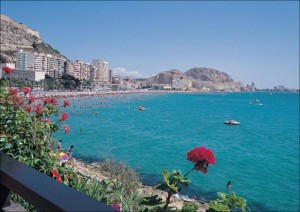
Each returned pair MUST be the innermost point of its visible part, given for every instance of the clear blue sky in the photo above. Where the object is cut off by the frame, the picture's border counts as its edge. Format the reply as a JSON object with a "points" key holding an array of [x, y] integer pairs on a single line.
{"points": [[251, 41]]}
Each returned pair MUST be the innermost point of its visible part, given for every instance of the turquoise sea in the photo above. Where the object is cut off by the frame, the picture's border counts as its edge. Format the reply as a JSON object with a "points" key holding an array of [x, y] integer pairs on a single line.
{"points": [[260, 156]]}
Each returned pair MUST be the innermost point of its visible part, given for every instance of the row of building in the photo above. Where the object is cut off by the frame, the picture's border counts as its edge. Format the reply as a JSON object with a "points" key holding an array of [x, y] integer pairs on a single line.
{"points": [[34, 66]]}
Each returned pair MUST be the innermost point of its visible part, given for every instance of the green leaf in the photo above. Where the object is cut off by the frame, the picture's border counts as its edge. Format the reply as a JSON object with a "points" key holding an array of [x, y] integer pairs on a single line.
{"points": [[8, 146], [173, 187], [3, 139]]}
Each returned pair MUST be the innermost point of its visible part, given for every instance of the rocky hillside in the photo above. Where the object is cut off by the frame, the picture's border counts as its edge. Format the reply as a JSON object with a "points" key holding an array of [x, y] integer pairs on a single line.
{"points": [[198, 78], [208, 75], [165, 77], [16, 35]]}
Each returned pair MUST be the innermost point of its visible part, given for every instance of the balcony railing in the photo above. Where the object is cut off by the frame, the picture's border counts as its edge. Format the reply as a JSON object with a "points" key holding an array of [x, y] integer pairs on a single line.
{"points": [[45, 193]]}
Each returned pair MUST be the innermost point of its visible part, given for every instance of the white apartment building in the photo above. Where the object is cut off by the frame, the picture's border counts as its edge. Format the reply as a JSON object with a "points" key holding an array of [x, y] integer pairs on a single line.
{"points": [[25, 60], [79, 70], [52, 66], [101, 75], [60, 67]]}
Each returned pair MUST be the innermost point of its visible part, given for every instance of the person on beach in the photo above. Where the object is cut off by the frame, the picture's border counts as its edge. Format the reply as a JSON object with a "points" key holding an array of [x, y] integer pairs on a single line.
{"points": [[229, 185], [69, 151], [59, 145]]}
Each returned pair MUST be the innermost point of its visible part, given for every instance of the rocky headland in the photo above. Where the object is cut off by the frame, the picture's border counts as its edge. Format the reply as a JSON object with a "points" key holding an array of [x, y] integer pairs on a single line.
{"points": [[197, 79], [16, 36]]}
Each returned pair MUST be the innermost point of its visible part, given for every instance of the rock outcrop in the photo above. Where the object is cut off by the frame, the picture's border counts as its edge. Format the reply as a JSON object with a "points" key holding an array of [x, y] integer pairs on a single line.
{"points": [[208, 75], [165, 77], [16, 36], [198, 78]]}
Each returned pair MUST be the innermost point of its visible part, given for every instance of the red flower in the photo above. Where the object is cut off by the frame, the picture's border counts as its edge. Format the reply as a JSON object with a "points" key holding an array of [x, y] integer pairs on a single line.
{"points": [[64, 116], [31, 99], [27, 108], [7, 70], [13, 91], [116, 206], [202, 169], [46, 101], [202, 157], [26, 90], [46, 120], [66, 103], [16, 100], [38, 109], [56, 175], [53, 101], [200, 154], [66, 129]]}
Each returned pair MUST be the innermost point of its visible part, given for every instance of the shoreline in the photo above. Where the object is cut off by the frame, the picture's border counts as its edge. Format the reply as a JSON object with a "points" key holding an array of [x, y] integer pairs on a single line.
{"points": [[68, 94], [90, 170], [71, 94]]}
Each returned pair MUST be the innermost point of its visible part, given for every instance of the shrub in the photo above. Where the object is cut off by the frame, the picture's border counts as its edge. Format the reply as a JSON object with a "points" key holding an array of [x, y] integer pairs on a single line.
{"points": [[228, 202], [189, 207]]}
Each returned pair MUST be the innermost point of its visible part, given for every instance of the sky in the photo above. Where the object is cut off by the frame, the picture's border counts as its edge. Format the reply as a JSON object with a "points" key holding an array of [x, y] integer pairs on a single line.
{"points": [[252, 41]]}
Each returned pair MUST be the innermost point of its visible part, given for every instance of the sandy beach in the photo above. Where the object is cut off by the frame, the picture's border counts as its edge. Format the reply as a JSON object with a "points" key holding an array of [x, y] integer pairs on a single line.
{"points": [[63, 94]]}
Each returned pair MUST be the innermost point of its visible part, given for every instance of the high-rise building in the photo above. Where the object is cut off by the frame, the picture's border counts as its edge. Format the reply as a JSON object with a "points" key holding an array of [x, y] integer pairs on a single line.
{"points": [[52, 66], [253, 88], [21, 59], [39, 62], [101, 73], [79, 70], [25, 60]]}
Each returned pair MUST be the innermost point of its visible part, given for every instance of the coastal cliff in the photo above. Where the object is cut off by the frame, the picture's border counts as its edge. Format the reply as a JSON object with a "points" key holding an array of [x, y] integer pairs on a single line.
{"points": [[16, 36]]}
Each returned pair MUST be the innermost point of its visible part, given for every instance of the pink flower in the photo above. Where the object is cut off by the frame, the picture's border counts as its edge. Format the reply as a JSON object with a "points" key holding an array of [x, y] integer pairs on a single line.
{"points": [[66, 129], [26, 90], [13, 91], [7, 70], [27, 108], [46, 101], [116, 206], [31, 99], [202, 157], [201, 169], [200, 154], [46, 120], [16, 100], [53, 101], [38, 109], [64, 116], [66, 103]]}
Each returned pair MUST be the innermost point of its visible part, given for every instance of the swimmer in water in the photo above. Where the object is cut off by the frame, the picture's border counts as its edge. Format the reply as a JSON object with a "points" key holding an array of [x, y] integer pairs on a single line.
{"points": [[229, 185]]}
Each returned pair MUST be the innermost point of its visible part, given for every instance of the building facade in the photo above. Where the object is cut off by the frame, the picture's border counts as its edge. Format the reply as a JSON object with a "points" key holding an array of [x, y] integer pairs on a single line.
{"points": [[101, 72], [25, 60]]}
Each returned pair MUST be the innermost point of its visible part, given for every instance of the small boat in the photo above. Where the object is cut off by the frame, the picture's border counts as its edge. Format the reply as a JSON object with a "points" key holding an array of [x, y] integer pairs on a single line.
{"points": [[232, 122], [141, 108]]}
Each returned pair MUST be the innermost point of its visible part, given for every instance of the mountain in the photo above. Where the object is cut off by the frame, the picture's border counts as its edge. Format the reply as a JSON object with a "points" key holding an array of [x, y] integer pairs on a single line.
{"points": [[197, 78], [17, 35], [165, 77], [208, 75]]}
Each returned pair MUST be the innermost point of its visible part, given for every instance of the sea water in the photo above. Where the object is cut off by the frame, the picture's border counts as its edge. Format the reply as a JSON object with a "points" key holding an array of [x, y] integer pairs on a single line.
{"points": [[260, 156]]}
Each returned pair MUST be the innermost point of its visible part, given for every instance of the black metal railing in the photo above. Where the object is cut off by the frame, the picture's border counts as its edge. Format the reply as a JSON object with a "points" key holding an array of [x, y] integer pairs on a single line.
{"points": [[45, 193]]}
